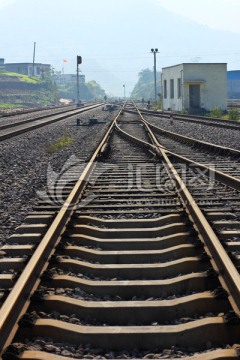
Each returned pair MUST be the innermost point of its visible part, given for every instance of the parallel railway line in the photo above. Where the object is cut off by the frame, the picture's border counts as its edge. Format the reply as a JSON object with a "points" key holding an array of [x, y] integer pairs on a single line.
{"points": [[10, 130], [16, 112], [215, 122], [134, 264]]}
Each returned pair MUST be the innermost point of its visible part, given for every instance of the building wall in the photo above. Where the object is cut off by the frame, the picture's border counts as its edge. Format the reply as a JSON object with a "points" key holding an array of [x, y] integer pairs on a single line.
{"points": [[233, 84], [172, 73], [27, 68], [210, 78]]}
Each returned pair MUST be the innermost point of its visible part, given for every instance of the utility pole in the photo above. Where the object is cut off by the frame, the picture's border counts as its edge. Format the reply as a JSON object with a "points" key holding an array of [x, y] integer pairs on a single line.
{"points": [[79, 61], [124, 92], [155, 51], [34, 47]]}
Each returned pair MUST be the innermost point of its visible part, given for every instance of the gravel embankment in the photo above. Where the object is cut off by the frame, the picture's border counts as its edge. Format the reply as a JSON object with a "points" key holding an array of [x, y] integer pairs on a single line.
{"points": [[31, 115], [25, 159], [215, 135]]}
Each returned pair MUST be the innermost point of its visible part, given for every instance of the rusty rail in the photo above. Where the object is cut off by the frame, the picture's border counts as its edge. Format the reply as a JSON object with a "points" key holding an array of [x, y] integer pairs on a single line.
{"points": [[17, 301]]}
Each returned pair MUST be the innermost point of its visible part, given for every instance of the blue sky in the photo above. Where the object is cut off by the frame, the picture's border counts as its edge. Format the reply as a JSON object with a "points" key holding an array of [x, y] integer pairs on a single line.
{"points": [[114, 37]]}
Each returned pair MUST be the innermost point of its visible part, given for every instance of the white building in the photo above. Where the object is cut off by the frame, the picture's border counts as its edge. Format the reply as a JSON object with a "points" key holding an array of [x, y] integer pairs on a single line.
{"points": [[67, 79], [195, 86], [27, 68]]}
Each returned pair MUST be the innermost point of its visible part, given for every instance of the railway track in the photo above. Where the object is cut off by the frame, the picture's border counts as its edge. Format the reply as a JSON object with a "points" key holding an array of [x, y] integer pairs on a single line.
{"points": [[215, 122], [224, 159], [15, 128], [134, 263], [17, 112]]}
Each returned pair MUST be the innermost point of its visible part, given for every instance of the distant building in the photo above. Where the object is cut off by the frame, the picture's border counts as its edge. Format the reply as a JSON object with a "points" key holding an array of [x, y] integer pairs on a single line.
{"points": [[67, 79], [233, 84], [2, 66], [27, 68], [195, 87]]}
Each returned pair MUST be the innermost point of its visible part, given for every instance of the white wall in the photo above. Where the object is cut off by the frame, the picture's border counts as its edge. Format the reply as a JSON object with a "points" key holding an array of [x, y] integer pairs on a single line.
{"points": [[213, 85], [214, 90], [173, 72]]}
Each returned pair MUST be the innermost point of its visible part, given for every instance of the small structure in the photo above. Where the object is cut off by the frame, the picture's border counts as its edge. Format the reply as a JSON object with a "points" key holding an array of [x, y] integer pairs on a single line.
{"points": [[2, 66], [195, 87], [233, 84], [27, 68]]}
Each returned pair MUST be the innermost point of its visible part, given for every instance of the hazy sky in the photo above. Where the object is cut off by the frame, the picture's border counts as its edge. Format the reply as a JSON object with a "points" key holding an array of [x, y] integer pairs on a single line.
{"points": [[217, 14], [114, 37]]}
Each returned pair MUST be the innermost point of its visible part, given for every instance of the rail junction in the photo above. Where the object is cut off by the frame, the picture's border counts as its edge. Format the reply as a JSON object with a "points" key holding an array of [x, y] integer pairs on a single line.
{"points": [[138, 258]]}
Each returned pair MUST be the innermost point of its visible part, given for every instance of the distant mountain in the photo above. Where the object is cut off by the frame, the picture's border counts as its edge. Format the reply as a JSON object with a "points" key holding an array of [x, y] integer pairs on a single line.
{"points": [[113, 37], [144, 88]]}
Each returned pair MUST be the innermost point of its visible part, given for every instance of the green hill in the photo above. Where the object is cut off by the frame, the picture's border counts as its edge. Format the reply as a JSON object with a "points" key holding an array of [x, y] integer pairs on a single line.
{"points": [[22, 90]]}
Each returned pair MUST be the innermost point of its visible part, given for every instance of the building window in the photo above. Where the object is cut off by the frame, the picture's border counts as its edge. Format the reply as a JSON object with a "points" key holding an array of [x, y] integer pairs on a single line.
{"points": [[179, 88], [171, 88], [165, 88]]}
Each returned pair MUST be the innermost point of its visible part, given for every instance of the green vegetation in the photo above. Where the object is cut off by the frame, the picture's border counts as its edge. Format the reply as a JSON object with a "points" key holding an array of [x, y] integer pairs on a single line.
{"points": [[88, 91], [96, 90], [23, 90], [21, 77], [158, 105], [62, 142], [216, 113], [184, 111], [8, 106], [144, 89], [233, 114]]}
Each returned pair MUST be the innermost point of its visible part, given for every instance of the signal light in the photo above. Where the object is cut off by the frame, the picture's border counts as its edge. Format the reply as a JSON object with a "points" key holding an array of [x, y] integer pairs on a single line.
{"points": [[79, 59]]}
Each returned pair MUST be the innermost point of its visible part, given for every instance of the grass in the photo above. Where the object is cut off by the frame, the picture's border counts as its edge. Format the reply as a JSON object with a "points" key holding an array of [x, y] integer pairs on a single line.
{"points": [[9, 106], [62, 142], [232, 114], [21, 77]]}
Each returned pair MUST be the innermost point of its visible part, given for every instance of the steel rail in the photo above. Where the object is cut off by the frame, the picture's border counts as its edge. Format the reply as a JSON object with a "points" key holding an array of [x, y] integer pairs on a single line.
{"points": [[39, 117], [190, 140], [54, 118], [219, 175], [214, 122], [27, 110], [227, 272], [221, 149], [17, 301]]}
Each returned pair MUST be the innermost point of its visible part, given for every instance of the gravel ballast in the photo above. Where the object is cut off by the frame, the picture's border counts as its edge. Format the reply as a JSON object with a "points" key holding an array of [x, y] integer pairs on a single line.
{"points": [[25, 159], [220, 136]]}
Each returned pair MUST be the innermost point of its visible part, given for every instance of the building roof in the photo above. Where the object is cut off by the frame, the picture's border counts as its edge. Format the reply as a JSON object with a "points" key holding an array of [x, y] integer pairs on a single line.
{"points": [[27, 63], [167, 67]]}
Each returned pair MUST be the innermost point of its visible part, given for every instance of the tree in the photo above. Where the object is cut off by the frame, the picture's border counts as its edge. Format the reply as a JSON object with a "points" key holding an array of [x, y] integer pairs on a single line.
{"points": [[145, 85]]}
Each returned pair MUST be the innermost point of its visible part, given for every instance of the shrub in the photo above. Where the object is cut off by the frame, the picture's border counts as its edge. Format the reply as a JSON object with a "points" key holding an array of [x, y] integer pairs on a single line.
{"points": [[216, 113], [233, 114]]}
